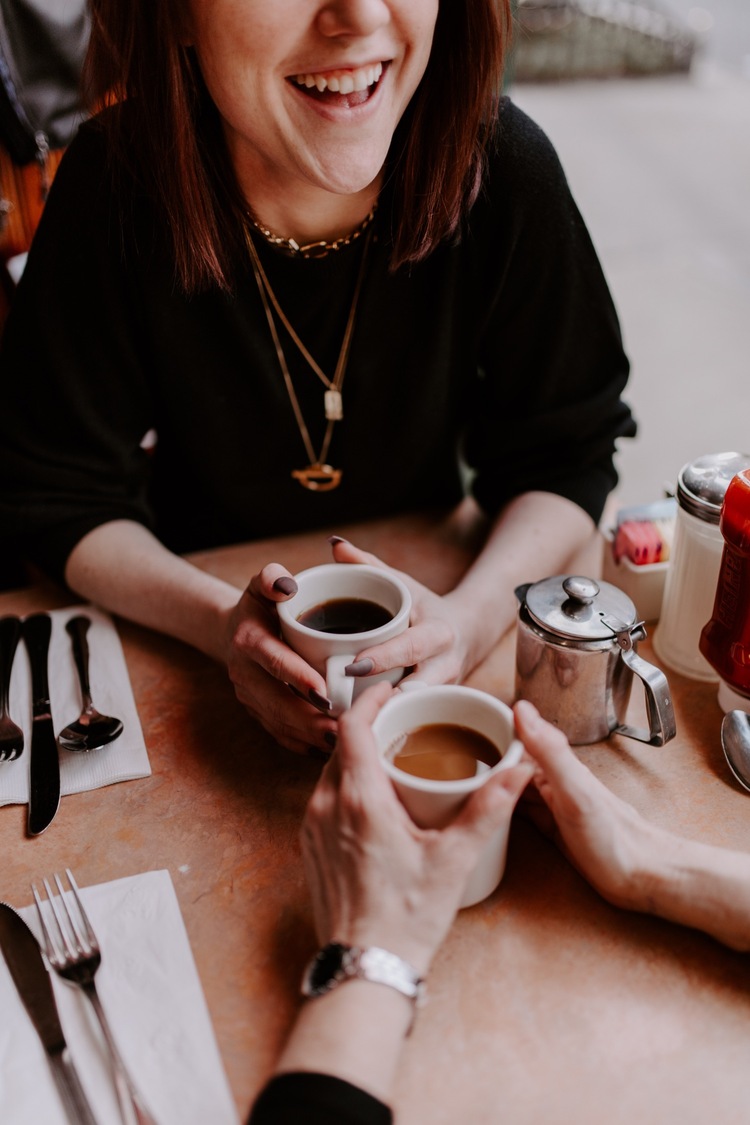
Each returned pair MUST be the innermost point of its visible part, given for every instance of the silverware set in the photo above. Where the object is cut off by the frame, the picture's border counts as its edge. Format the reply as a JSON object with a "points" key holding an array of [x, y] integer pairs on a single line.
{"points": [[90, 731], [71, 950]]}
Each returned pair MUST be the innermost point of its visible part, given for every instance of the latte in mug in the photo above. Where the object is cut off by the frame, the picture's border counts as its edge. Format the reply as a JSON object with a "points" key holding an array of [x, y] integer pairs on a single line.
{"points": [[444, 752]]}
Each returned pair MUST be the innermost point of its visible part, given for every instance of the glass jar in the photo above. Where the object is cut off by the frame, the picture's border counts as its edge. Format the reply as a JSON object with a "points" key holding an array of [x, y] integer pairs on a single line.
{"points": [[725, 639], [694, 563]]}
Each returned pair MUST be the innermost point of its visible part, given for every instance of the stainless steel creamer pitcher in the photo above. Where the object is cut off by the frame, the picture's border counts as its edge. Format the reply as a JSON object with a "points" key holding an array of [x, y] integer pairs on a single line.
{"points": [[575, 658]]}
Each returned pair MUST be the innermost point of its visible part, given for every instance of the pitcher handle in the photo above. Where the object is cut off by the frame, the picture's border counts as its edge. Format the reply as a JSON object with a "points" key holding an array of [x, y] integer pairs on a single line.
{"points": [[659, 707]]}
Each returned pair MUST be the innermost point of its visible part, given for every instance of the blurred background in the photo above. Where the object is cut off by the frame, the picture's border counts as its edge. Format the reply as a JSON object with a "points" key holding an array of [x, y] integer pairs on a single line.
{"points": [[648, 106]]}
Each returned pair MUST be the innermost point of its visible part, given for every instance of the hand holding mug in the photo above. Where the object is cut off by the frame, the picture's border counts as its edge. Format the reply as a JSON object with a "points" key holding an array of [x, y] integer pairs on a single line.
{"points": [[275, 684], [437, 646], [377, 878]]}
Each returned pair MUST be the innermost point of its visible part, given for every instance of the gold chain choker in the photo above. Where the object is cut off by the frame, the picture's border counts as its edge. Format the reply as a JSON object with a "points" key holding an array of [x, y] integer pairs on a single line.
{"points": [[313, 249]]}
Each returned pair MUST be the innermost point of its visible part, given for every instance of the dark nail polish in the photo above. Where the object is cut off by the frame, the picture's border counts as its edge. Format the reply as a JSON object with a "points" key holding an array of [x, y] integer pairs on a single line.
{"points": [[334, 539], [319, 700], [285, 585], [297, 692], [330, 739], [318, 753], [359, 667]]}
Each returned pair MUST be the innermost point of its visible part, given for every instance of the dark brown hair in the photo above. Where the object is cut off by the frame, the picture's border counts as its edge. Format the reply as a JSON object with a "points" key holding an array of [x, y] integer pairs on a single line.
{"points": [[171, 139]]}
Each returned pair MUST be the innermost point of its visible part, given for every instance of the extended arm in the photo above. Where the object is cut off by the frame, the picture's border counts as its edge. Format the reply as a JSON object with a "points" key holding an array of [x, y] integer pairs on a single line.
{"points": [[378, 880], [124, 568], [632, 863]]}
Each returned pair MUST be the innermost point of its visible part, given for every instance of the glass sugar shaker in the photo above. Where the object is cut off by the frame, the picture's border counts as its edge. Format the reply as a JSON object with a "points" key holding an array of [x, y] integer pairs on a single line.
{"points": [[695, 561], [725, 640]]}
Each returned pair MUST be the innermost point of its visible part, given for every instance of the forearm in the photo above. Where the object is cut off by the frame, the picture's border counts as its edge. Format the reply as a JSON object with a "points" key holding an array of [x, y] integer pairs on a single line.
{"points": [[698, 885], [533, 537], [125, 569], [355, 1032]]}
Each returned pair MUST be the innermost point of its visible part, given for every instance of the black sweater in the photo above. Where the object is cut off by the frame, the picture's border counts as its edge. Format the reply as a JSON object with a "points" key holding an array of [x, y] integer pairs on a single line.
{"points": [[503, 351]]}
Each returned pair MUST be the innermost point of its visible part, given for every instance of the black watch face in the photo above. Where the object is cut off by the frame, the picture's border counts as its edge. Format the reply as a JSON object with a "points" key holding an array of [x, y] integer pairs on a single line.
{"points": [[326, 966]]}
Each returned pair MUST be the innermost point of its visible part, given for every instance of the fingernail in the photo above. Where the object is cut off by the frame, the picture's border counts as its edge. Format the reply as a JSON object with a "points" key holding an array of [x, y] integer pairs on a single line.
{"points": [[319, 700], [285, 585], [334, 539], [359, 667], [330, 739], [318, 753], [297, 692]]}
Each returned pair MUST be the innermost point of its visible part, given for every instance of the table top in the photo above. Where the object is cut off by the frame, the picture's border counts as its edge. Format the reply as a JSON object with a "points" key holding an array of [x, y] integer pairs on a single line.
{"points": [[546, 1003]]}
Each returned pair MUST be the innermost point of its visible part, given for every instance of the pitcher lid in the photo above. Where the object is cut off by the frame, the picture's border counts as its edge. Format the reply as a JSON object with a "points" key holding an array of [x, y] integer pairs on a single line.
{"points": [[580, 608]]}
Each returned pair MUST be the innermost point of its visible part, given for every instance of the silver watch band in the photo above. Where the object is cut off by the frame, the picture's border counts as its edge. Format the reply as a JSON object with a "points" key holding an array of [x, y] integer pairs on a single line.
{"points": [[382, 967], [336, 963]]}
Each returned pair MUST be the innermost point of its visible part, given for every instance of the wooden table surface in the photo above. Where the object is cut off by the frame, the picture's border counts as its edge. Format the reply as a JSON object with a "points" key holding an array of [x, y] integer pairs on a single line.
{"points": [[546, 1004]]}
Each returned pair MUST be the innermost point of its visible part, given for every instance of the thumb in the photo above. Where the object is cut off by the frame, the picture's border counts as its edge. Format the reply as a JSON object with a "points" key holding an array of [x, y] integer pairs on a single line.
{"points": [[346, 552], [491, 806], [546, 744]]}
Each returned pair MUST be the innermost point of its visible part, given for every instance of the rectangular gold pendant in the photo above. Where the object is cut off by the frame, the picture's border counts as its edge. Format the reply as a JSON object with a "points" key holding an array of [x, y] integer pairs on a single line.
{"points": [[333, 406]]}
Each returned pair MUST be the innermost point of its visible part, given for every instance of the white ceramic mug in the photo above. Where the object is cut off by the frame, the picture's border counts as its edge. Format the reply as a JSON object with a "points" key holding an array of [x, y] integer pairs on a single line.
{"points": [[432, 803], [330, 653]]}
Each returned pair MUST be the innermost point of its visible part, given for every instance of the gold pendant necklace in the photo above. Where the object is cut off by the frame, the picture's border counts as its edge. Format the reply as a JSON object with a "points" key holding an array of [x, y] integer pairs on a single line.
{"points": [[318, 476]]}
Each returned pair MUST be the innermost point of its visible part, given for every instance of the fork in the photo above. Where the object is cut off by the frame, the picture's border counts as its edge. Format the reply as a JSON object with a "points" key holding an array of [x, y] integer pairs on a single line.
{"points": [[11, 736], [73, 952]]}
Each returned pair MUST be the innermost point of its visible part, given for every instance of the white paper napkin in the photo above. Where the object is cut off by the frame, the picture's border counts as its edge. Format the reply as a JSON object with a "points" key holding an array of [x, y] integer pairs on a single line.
{"points": [[152, 996], [125, 758]]}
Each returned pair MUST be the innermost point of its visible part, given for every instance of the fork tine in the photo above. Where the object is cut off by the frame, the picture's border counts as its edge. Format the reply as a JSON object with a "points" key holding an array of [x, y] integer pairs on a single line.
{"points": [[72, 923], [50, 950], [90, 935], [57, 914]]}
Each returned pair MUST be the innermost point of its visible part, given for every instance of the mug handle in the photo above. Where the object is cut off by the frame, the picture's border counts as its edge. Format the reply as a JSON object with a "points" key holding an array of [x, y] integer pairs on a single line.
{"points": [[339, 686]]}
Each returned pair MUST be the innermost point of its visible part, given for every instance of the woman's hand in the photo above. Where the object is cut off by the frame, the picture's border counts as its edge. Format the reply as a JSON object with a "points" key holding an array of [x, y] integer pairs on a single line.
{"points": [[278, 687], [630, 862], [603, 837], [434, 648], [376, 878]]}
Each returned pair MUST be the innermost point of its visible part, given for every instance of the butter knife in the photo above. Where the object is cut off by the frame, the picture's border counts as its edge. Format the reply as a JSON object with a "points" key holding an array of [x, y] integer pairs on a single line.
{"points": [[24, 959], [44, 768]]}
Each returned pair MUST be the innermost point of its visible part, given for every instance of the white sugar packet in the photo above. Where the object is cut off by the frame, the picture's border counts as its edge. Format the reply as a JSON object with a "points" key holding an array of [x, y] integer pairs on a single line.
{"points": [[152, 996], [124, 759]]}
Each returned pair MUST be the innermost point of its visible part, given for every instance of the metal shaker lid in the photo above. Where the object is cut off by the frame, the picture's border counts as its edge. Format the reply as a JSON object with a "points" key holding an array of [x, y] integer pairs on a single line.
{"points": [[702, 483], [576, 607]]}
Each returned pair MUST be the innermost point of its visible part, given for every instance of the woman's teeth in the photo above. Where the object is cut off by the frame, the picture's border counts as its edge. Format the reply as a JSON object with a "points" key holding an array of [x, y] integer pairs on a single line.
{"points": [[342, 82]]}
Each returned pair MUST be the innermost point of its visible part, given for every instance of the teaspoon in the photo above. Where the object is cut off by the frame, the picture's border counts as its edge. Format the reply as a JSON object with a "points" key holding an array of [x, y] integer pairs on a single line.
{"points": [[735, 740], [91, 730]]}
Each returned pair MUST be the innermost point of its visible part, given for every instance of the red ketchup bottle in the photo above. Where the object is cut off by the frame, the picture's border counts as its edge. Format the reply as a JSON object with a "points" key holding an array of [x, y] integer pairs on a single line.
{"points": [[725, 639]]}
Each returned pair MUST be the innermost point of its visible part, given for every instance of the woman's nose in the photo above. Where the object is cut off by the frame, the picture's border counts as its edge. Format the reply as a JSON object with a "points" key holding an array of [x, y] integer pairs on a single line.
{"points": [[352, 18]]}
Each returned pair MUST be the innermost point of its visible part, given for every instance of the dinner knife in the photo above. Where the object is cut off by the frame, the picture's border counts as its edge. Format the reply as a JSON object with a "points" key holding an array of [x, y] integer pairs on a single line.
{"points": [[30, 976], [44, 767]]}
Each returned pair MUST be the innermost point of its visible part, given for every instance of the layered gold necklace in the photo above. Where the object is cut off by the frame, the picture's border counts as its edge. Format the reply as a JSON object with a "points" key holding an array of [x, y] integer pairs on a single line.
{"points": [[318, 475]]}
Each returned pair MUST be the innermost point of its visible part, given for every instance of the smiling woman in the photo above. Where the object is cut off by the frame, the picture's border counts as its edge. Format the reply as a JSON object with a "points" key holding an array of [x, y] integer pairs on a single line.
{"points": [[305, 269], [271, 71]]}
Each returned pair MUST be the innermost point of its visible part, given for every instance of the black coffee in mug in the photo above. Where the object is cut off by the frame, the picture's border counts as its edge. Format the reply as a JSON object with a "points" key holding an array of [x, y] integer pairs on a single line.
{"points": [[444, 752], [345, 615]]}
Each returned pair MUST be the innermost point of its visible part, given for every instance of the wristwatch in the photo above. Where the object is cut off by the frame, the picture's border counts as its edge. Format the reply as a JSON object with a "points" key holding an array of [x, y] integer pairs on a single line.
{"points": [[336, 963]]}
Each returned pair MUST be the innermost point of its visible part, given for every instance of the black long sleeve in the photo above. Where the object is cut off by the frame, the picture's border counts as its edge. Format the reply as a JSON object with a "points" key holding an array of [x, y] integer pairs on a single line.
{"points": [[316, 1099]]}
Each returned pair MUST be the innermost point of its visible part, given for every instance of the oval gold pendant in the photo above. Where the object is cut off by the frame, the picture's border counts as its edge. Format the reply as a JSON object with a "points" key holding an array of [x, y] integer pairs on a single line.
{"points": [[318, 478]]}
